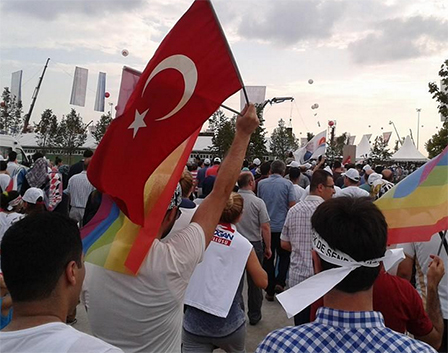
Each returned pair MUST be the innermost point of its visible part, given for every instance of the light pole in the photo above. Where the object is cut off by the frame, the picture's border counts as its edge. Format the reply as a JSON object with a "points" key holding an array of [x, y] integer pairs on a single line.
{"points": [[418, 123]]}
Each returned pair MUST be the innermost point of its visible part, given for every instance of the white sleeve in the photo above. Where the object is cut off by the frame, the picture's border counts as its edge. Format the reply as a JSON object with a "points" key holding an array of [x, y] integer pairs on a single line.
{"points": [[408, 248]]}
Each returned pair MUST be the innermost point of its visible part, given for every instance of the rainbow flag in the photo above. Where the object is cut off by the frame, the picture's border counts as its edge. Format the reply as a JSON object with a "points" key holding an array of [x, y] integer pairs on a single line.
{"points": [[112, 241], [417, 207]]}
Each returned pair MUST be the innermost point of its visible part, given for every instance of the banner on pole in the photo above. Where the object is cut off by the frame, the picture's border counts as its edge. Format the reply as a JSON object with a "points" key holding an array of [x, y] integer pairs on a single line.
{"points": [[100, 92], [16, 86], [79, 88], [256, 94]]}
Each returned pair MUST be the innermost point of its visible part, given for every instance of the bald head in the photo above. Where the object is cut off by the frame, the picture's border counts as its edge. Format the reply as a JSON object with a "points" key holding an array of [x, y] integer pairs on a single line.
{"points": [[388, 175]]}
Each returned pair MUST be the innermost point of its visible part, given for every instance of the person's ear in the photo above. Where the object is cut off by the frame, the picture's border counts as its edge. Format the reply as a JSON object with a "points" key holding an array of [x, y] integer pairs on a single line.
{"points": [[70, 272], [316, 262]]}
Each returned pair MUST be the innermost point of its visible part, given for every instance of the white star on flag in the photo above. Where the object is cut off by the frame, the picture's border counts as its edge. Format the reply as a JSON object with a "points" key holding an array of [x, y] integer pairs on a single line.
{"points": [[138, 122]]}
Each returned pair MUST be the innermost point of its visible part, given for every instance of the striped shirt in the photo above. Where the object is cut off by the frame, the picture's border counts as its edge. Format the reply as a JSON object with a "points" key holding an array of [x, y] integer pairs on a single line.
{"points": [[297, 231], [339, 331], [79, 189]]}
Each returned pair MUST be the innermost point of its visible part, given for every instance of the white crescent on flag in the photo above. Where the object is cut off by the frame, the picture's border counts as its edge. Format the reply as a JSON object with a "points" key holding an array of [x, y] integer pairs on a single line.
{"points": [[187, 68]]}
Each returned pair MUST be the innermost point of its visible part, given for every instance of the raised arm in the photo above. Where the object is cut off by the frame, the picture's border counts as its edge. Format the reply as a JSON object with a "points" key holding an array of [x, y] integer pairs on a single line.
{"points": [[209, 211]]}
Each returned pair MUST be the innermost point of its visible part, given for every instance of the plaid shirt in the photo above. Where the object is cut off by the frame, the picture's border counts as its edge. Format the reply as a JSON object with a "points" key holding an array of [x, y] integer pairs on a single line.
{"points": [[340, 332], [297, 231]]}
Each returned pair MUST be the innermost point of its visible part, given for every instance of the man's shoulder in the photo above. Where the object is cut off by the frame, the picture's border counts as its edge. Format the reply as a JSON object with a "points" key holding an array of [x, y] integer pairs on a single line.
{"points": [[283, 340]]}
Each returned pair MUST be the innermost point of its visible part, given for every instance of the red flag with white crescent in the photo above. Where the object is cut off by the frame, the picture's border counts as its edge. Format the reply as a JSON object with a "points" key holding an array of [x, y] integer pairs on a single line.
{"points": [[189, 76]]}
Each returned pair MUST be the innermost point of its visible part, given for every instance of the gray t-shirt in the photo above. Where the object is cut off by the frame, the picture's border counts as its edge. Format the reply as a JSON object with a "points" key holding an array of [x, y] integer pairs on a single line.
{"points": [[254, 215]]}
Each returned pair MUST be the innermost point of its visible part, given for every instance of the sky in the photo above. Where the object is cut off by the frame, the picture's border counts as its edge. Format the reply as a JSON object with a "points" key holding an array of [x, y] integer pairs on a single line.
{"points": [[370, 60]]}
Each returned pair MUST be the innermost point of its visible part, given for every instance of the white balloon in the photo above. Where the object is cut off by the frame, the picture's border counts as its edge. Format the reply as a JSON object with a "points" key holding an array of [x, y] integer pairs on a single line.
{"points": [[125, 52], [310, 81]]}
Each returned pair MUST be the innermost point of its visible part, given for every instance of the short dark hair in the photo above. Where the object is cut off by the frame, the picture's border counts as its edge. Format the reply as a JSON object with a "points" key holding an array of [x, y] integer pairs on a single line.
{"points": [[36, 156], [278, 167], [12, 156], [294, 173], [88, 153], [244, 179], [57, 160], [265, 168], [337, 164], [35, 252], [319, 176], [356, 227], [3, 166]]}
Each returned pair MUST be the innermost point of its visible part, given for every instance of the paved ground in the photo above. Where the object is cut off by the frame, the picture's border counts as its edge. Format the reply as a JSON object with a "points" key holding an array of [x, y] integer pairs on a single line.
{"points": [[273, 317]]}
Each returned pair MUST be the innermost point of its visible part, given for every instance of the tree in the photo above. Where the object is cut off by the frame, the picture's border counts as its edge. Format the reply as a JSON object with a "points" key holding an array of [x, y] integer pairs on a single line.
{"points": [[101, 126], [257, 144], [336, 147], [283, 141], [223, 132], [71, 132], [380, 151], [10, 114], [437, 143], [47, 129]]}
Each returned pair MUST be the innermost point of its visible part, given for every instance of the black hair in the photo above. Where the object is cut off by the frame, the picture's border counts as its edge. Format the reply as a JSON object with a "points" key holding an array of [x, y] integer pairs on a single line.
{"points": [[35, 254], [355, 226], [6, 197], [12, 156], [244, 179], [337, 164], [245, 163], [319, 176], [278, 167], [88, 153], [294, 173], [36, 156], [3, 166], [57, 160], [265, 168]]}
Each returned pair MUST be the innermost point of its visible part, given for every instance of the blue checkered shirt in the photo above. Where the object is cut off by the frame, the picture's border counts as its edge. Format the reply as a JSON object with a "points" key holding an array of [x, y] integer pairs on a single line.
{"points": [[341, 331]]}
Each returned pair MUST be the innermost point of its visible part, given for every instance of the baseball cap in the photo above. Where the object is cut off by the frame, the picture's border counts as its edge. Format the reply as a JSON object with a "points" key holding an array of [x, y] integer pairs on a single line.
{"points": [[306, 165], [328, 170], [294, 164], [366, 167], [207, 161], [373, 177], [32, 195], [352, 174], [217, 160], [256, 161]]}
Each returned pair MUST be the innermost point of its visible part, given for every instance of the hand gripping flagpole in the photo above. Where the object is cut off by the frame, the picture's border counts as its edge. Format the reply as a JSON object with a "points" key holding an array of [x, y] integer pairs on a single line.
{"points": [[233, 61]]}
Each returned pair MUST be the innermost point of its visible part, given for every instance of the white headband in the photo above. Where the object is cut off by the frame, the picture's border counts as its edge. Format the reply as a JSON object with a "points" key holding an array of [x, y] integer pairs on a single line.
{"points": [[297, 298]]}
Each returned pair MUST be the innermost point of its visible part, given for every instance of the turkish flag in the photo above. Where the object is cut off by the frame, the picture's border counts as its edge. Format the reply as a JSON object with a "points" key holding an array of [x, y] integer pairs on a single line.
{"points": [[189, 76]]}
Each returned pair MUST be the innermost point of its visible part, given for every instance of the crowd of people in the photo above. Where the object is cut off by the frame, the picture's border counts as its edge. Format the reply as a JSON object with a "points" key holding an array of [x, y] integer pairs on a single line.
{"points": [[280, 224]]}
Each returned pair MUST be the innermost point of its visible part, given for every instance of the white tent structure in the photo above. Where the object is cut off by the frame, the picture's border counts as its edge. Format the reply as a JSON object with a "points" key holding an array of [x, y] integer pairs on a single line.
{"points": [[363, 149], [408, 153]]}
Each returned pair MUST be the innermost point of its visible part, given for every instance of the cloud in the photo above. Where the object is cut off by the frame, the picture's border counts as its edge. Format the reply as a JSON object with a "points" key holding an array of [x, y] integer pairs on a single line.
{"points": [[288, 22], [400, 39], [51, 9]]}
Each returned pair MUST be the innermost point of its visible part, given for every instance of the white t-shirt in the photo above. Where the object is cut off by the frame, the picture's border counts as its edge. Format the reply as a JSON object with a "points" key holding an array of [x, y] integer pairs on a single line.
{"points": [[5, 179], [300, 192], [421, 252], [53, 337], [144, 313], [352, 191]]}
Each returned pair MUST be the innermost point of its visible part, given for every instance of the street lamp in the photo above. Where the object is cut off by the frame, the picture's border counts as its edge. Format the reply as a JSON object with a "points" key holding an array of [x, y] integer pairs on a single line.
{"points": [[418, 124]]}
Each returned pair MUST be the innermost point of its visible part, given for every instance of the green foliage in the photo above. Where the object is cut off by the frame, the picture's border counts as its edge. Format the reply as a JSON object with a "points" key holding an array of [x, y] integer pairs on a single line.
{"points": [[335, 148], [380, 152], [101, 126], [224, 130], [71, 132], [437, 143], [283, 141], [47, 129], [11, 112], [257, 144]]}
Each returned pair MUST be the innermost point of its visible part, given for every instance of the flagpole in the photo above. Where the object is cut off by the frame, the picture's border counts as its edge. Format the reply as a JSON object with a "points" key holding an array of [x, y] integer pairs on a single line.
{"points": [[230, 53], [230, 109], [442, 242]]}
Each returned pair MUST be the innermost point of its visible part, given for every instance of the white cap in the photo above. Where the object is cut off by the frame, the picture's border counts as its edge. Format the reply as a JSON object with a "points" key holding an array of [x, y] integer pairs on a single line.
{"points": [[217, 160], [328, 170], [207, 161], [373, 177], [256, 161], [366, 167], [294, 164], [352, 174], [32, 195], [306, 165]]}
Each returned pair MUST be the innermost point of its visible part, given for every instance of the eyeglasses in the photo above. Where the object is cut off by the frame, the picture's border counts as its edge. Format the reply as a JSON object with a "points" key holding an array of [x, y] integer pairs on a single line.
{"points": [[329, 186]]}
